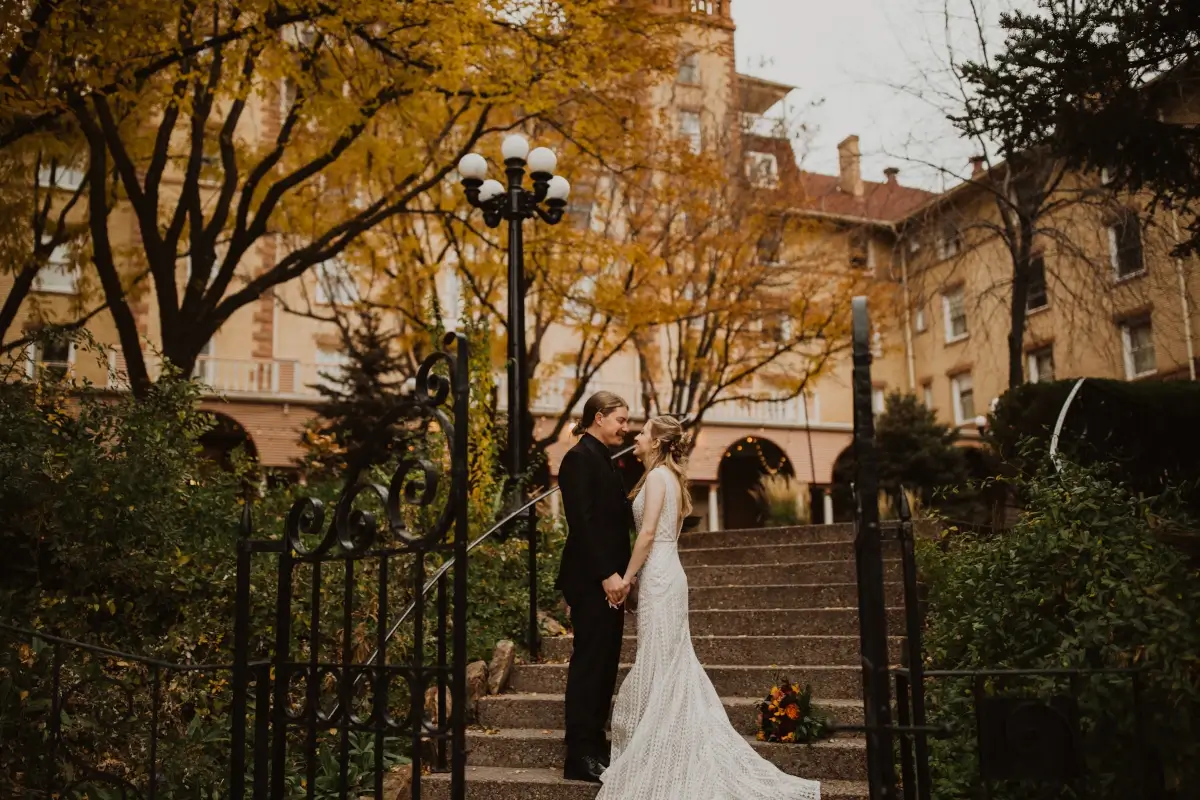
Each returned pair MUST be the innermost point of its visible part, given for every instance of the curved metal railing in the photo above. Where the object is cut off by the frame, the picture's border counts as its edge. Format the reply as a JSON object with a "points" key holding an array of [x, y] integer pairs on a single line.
{"points": [[444, 568]]}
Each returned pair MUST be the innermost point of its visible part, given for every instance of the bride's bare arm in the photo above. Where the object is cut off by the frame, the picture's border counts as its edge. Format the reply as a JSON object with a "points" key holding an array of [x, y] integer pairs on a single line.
{"points": [[656, 493]]}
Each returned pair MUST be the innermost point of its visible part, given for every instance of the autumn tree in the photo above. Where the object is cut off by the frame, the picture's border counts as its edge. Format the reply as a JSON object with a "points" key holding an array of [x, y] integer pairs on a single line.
{"points": [[1101, 84], [1047, 220], [751, 312], [295, 131], [582, 277]]}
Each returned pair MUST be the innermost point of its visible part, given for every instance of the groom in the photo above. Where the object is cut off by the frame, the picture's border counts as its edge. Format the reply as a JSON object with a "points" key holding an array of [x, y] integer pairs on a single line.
{"points": [[599, 521]]}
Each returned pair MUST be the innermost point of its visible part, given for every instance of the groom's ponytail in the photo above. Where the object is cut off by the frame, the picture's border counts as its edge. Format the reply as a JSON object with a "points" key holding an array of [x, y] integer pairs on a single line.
{"points": [[602, 403]]}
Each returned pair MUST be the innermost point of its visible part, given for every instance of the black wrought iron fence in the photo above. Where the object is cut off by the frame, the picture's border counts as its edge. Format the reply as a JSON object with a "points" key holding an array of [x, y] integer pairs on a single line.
{"points": [[79, 720]]}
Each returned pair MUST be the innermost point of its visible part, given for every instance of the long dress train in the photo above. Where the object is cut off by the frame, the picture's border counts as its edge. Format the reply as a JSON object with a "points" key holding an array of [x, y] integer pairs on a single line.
{"points": [[671, 737]]}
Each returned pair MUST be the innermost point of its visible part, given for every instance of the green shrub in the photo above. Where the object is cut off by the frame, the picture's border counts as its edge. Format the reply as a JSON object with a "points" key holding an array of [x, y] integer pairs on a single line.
{"points": [[1080, 582], [1146, 430]]}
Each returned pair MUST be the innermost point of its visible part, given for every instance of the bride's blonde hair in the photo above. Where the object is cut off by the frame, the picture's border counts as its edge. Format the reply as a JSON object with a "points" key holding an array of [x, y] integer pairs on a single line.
{"points": [[669, 446]]}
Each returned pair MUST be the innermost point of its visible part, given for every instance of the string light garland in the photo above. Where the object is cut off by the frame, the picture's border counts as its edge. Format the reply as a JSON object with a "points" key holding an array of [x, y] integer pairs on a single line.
{"points": [[767, 468]]}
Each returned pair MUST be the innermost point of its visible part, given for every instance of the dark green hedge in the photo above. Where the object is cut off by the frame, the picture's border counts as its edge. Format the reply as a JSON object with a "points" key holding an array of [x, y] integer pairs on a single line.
{"points": [[1150, 431]]}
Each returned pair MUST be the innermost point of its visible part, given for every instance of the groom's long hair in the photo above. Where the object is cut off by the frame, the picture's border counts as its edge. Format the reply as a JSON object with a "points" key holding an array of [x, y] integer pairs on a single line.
{"points": [[602, 403], [670, 447]]}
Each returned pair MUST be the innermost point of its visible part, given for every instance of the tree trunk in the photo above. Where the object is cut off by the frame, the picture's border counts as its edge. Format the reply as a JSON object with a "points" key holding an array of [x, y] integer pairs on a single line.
{"points": [[16, 295]]}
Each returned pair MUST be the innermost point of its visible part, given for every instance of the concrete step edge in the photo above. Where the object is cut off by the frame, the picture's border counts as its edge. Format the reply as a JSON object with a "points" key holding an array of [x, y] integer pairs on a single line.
{"points": [[541, 734]]}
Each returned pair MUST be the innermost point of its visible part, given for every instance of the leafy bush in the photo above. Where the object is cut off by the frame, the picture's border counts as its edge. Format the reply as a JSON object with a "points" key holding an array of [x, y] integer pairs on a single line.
{"points": [[117, 532], [1146, 430], [1080, 582]]}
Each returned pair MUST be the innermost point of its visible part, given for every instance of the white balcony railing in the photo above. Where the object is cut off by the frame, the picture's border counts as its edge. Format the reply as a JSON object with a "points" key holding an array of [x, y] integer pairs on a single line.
{"points": [[553, 393], [261, 377], [288, 379]]}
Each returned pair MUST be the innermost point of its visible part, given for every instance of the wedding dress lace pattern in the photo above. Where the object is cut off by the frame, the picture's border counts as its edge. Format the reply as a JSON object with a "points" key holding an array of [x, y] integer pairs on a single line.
{"points": [[671, 737]]}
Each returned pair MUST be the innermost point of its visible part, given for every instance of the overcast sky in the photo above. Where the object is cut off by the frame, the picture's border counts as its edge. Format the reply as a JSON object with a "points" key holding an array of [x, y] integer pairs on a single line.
{"points": [[849, 60]]}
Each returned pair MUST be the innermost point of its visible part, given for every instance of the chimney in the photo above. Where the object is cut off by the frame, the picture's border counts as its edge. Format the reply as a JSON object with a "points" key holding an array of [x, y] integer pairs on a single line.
{"points": [[977, 165], [849, 167], [890, 174]]}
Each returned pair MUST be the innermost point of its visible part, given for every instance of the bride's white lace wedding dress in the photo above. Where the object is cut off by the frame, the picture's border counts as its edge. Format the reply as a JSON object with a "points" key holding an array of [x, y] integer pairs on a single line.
{"points": [[671, 737]]}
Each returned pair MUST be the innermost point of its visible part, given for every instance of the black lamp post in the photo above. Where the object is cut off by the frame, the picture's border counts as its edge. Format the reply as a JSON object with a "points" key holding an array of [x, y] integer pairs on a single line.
{"points": [[547, 200]]}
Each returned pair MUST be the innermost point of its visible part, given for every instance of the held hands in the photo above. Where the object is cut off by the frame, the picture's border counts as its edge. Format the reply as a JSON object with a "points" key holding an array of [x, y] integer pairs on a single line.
{"points": [[616, 589]]}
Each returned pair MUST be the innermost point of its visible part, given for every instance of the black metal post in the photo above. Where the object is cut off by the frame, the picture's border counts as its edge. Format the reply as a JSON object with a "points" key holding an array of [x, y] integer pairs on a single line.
{"points": [[518, 389], [241, 657], [515, 204], [869, 562], [462, 535], [915, 649]]}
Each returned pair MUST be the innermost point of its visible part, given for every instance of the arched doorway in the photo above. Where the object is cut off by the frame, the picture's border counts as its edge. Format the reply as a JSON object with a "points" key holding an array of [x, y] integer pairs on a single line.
{"points": [[745, 463], [219, 442]]}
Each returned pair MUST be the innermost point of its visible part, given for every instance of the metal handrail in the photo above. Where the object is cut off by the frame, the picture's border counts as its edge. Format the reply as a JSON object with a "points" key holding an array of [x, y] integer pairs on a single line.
{"points": [[444, 568]]}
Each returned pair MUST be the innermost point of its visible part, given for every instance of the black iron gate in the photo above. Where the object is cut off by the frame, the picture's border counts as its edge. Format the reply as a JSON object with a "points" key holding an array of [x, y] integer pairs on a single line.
{"points": [[1026, 724], [348, 684]]}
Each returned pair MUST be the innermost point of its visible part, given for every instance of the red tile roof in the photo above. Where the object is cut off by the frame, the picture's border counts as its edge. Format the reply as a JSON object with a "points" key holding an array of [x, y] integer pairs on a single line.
{"points": [[880, 201]]}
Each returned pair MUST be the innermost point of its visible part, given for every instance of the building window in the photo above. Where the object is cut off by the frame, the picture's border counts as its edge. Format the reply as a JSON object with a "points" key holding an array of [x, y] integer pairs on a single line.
{"points": [[689, 128], [51, 359], [878, 400], [769, 247], [1137, 337], [331, 366], [1125, 244], [963, 394], [1041, 365], [58, 275], [862, 255], [949, 241], [914, 244], [927, 394], [58, 176], [920, 322], [1036, 296], [206, 368], [777, 328], [954, 310], [689, 69], [335, 284], [762, 170]]}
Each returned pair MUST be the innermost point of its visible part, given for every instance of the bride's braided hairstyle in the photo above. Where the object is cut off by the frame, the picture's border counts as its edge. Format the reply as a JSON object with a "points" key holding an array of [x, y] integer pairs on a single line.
{"points": [[670, 446]]}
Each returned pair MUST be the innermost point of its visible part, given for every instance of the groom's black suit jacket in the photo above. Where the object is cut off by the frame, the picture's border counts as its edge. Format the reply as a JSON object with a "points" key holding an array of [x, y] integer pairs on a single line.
{"points": [[599, 516]]}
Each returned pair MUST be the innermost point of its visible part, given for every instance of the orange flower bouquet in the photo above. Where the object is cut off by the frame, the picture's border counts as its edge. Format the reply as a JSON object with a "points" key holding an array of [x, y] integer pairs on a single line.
{"points": [[787, 714]]}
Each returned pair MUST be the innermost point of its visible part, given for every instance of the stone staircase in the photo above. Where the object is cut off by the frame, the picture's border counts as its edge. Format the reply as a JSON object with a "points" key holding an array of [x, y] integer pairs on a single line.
{"points": [[764, 603]]}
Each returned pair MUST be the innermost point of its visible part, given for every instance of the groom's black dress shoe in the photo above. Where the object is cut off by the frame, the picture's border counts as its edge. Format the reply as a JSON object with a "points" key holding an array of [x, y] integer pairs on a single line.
{"points": [[583, 768]]}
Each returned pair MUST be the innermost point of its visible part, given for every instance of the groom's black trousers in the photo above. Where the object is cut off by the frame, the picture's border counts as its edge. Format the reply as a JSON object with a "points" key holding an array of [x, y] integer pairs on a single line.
{"points": [[592, 674]]}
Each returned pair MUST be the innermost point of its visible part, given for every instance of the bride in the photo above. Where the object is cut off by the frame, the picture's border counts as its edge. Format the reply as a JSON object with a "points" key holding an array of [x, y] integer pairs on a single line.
{"points": [[671, 737]]}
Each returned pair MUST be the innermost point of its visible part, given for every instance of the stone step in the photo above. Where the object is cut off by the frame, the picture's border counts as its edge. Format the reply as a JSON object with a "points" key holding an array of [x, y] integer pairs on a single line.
{"points": [[836, 682], [509, 783], [545, 711], [771, 574], [785, 595], [530, 748], [771, 621], [835, 650], [842, 532], [778, 555]]}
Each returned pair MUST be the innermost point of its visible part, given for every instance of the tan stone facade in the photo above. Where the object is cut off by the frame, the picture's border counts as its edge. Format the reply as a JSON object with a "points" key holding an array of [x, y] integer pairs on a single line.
{"points": [[942, 331]]}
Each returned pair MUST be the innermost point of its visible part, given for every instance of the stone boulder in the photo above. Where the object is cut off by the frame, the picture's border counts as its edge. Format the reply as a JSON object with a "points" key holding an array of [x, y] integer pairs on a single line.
{"points": [[550, 626], [503, 660], [477, 687]]}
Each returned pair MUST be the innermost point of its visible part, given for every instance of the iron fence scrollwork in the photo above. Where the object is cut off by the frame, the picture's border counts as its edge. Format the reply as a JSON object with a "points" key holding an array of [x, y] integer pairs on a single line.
{"points": [[326, 695]]}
